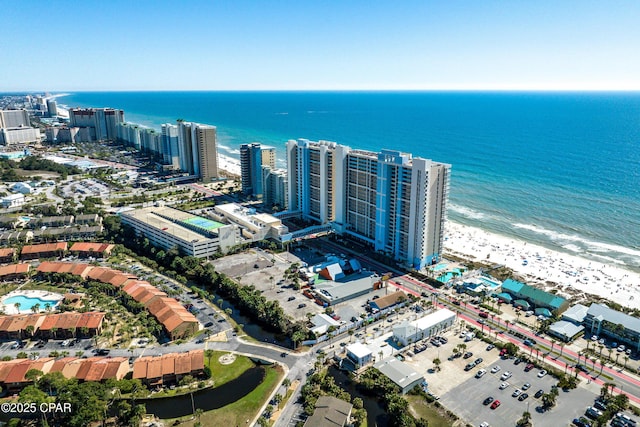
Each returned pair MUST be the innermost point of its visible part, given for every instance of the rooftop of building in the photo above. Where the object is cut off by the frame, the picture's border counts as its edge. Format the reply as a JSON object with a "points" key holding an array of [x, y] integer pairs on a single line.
{"points": [[537, 296], [151, 217], [398, 372], [602, 312]]}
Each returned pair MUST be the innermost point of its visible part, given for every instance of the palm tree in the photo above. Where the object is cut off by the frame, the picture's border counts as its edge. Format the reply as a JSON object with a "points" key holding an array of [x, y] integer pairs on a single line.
{"points": [[601, 365], [507, 322], [47, 307], [610, 350], [437, 363], [17, 306], [208, 354], [626, 359], [561, 347]]}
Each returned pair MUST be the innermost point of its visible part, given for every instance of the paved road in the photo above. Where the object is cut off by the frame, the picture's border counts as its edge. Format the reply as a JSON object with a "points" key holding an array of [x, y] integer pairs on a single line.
{"points": [[625, 382]]}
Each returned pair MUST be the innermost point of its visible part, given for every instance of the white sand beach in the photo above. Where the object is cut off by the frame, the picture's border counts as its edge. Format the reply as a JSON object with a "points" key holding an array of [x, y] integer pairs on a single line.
{"points": [[229, 164], [569, 274]]}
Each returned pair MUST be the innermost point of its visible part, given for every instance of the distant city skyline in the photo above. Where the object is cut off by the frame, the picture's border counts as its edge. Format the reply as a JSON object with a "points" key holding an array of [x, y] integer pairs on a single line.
{"points": [[288, 45]]}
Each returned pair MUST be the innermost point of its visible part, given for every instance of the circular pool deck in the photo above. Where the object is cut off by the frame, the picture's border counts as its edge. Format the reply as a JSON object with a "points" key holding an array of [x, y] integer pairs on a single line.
{"points": [[28, 299]]}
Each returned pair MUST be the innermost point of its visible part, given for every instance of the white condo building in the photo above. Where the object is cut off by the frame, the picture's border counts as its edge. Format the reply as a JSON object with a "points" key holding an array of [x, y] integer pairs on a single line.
{"points": [[392, 201], [14, 118]]}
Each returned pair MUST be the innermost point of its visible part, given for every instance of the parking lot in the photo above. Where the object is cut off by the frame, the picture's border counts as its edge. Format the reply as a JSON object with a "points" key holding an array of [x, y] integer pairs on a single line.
{"points": [[466, 399]]}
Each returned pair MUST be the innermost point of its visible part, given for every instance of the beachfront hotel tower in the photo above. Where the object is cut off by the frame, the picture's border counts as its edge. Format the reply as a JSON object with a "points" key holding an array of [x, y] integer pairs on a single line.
{"points": [[316, 181], [390, 200], [197, 150], [252, 158]]}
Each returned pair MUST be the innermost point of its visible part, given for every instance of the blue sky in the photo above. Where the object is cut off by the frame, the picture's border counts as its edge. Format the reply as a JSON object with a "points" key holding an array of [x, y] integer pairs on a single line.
{"points": [[320, 45]]}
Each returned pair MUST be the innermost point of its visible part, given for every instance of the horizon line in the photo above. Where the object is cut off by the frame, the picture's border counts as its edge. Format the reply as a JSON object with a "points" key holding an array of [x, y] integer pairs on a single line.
{"points": [[415, 90]]}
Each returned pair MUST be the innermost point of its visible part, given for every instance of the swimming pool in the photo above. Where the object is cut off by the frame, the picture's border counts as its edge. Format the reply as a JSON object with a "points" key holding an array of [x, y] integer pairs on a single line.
{"points": [[446, 277], [27, 302], [440, 266]]}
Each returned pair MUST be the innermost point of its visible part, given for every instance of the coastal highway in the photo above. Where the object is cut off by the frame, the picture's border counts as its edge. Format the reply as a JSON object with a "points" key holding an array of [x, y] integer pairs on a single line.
{"points": [[625, 382]]}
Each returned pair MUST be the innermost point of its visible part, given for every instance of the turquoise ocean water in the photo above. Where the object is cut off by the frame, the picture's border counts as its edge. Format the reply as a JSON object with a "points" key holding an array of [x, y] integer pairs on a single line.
{"points": [[557, 169]]}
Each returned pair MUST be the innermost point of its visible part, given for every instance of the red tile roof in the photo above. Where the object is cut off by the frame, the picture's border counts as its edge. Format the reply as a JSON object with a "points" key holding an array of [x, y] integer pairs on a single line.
{"points": [[5, 252], [8, 270], [92, 247], [45, 247]]}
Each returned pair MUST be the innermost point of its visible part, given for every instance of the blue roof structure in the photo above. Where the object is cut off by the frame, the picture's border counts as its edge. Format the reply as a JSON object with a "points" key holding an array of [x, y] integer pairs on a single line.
{"points": [[536, 296]]}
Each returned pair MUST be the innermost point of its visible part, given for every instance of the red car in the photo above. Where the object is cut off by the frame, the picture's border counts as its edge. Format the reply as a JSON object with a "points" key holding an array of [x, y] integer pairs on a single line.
{"points": [[495, 404], [528, 367], [483, 314]]}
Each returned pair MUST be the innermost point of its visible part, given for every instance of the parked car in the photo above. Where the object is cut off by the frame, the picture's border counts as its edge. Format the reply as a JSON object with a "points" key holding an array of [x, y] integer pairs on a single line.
{"points": [[506, 375], [592, 412], [467, 355], [495, 369], [490, 347], [526, 386], [523, 396], [478, 361], [503, 385], [538, 394], [542, 373], [208, 324], [487, 401], [495, 404], [580, 422], [516, 393], [302, 305], [529, 367]]}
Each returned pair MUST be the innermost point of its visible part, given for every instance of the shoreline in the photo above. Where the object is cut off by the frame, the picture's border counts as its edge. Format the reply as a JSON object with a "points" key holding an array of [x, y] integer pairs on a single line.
{"points": [[571, 276]]}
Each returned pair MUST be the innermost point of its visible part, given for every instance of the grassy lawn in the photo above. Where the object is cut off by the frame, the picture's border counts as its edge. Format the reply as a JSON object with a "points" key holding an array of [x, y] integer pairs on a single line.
{"points": [[419, 407], [224, 373], [237, 413]]}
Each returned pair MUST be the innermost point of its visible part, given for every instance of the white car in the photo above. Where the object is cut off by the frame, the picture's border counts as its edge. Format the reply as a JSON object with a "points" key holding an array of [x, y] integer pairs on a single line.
{"points": [[542, 373], [484, 424], [506, 376], [516, 393], [503, 385], [495, 369]]}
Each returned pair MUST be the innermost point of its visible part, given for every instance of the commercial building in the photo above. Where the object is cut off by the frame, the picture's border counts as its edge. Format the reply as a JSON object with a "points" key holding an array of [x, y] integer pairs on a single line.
{"points": [[575, 314], [12, 200], [101, 122], [399, 373], [388, 301], [359, 354], [14, 118], [432, 324], [521, 293], [254, 226], [332, 292], [566, 331], [606, 322], [252, 158], [19, 135], [330, 412], [389, 200], [193, 235]]}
